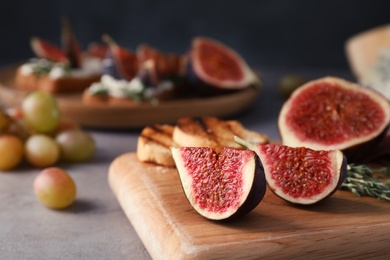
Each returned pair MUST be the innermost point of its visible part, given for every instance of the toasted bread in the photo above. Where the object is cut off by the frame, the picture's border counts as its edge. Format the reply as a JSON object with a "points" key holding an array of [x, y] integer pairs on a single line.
{"points": [[33, 82], [154, 145], [213, 132]]}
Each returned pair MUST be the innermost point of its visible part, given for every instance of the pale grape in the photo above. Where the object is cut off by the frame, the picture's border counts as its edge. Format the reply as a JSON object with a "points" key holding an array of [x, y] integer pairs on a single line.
{"points": [[55, 188], [41, 111], [41, 150], [76, 145], [11, 151]]}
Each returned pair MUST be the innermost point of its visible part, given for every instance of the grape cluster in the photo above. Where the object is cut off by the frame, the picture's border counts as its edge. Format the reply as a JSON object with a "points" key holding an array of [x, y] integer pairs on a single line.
{"points": [[36, 132]]}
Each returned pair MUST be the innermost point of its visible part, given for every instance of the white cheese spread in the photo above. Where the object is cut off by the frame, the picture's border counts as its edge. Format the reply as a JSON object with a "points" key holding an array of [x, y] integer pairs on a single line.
{"points": [[90, 66], [378, 77], [133, 89]]}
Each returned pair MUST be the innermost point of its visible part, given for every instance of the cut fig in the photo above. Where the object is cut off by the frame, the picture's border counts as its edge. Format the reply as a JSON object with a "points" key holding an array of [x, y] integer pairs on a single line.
{"points": [[215, 67], [46, 50], [70, 45], [159, 65], [166, 65], [97, 50], [300, 175], [334, 114], [222, 185], [124, 62]]}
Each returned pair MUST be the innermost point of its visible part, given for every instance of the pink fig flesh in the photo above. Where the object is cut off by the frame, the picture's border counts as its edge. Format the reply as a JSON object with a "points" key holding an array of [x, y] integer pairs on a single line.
{"points": [[220, 185], [334, 114], [301, 175], [214, 65]]}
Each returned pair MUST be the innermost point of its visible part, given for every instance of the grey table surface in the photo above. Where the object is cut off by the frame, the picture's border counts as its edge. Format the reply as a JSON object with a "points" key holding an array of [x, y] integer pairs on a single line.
{"points": [[95, 227]]}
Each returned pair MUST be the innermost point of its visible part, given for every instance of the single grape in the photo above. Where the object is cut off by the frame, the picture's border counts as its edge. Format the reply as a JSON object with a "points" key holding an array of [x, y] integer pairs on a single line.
{"points": [[55, 188], [41, 111], [41, 150], [76, 145], [11, 151]]}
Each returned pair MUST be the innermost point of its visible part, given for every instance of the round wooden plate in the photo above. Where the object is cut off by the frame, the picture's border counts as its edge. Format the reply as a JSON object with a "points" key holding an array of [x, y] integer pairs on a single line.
{"points": [[134, 116]]}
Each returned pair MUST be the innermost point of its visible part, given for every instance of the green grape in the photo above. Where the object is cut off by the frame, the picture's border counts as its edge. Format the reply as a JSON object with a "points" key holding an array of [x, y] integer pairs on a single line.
{"points": [[76, 145], [55, 188], [41, 150], [11, 151], [41, 112]]}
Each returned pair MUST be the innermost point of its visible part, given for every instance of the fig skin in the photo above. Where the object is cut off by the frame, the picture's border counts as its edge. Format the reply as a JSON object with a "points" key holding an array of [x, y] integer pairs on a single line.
{"points": [[207, 84], [339, 164], [256, 185], [70, 44], [354, 147], [109, 66]]}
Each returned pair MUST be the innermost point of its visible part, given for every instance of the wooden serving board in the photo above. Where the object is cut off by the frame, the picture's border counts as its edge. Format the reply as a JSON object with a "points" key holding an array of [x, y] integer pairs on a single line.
{"points": [[343, 226], [132, 116]]}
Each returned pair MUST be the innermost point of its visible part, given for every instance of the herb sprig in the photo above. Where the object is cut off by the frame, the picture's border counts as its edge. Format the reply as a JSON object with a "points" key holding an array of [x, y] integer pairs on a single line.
{"points": [[363, 180]]}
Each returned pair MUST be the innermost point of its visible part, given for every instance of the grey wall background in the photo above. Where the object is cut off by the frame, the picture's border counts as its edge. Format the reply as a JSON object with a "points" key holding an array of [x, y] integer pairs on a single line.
{"points": [[268, 33]]}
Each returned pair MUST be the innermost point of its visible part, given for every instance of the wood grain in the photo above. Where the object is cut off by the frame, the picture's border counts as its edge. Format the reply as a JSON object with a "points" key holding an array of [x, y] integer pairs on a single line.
{"points": [[343, 226], [133, 116]]}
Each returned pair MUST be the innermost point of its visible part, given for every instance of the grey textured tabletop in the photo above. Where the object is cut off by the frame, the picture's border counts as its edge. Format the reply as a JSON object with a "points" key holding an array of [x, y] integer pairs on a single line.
{"points": [[95, 227]]}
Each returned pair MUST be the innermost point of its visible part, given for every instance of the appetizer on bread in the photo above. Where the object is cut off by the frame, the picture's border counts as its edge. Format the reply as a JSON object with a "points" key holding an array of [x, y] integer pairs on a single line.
{"points": [[145, 75], [59, 70], [154, 142]]}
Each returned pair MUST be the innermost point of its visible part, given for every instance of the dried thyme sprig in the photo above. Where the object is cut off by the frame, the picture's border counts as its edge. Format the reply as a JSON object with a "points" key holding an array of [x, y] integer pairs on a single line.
{"points": [[365, 181]]}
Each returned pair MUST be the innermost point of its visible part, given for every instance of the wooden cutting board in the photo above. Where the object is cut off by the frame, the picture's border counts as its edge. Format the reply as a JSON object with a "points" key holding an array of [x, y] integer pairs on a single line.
{"points": [[343, 226]]}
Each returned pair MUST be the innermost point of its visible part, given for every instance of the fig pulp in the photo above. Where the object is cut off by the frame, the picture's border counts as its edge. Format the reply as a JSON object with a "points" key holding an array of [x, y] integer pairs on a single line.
{"points": [[46, 50], [217, 68], [300, 175], [333, 114], [220, 185]]}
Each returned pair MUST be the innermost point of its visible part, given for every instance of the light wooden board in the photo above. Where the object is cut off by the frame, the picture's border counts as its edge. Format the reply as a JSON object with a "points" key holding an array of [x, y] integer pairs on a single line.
{"points": [[343, 226], [133, 116]]}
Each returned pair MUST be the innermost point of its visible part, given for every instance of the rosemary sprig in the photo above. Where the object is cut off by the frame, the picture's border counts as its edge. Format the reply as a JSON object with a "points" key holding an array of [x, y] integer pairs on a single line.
{"points": [[365, 181]]}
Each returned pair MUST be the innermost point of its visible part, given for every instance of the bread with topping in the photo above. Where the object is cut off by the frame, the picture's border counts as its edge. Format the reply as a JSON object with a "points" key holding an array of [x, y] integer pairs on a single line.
{"points": [[65, 84]]}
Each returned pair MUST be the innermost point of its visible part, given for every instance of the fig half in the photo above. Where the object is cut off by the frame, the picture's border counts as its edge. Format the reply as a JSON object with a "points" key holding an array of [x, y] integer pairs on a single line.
{"points": [[334, 114], [46, 50], [222, 185], [121, 63], [300, 175], [214, 67]]}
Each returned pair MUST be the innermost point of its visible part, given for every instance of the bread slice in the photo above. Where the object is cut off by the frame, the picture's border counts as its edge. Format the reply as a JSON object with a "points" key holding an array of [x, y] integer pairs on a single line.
{"points": [[32, 82], [154, 145], [213, 132]]}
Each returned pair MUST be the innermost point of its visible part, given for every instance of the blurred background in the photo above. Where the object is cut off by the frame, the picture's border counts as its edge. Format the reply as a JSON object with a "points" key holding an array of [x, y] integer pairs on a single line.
{"points": [[267, 33]]}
